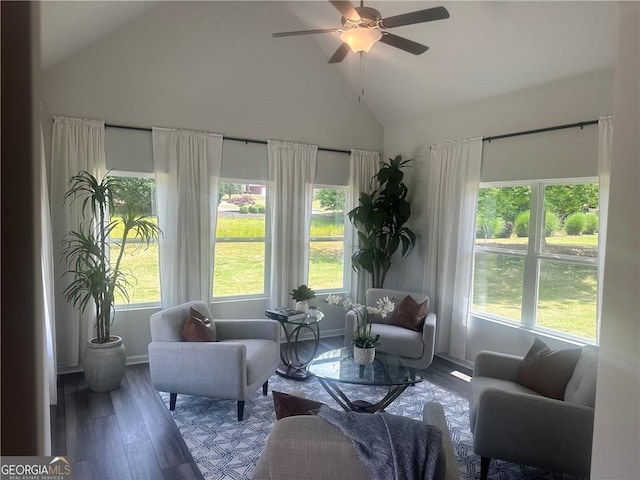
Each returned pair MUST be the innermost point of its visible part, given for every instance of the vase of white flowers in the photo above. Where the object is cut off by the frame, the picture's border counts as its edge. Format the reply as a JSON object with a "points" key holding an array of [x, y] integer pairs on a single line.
{"points": [[364, 342], [364, 356]]}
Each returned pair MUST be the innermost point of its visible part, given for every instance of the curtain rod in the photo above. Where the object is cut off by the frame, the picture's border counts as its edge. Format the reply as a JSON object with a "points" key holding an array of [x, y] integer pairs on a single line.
{"points": [[581, 125], [235, 139]]}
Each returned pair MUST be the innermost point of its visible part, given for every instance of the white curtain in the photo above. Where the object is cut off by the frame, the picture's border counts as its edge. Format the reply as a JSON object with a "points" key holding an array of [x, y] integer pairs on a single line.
{"points": [[453, 176], [187, 171], [605, 136], [363, 165], [292, 170], [77, 144]]}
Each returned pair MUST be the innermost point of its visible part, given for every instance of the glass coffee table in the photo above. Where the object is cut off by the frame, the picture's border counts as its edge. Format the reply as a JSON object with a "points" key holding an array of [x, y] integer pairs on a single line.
{"points": [[338, 366]]}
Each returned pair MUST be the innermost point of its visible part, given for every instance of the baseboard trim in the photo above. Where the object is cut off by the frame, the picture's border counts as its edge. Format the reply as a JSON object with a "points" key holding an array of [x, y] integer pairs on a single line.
{"points": [[456, 361], [136, 359], [64, 370], [133, 360]]}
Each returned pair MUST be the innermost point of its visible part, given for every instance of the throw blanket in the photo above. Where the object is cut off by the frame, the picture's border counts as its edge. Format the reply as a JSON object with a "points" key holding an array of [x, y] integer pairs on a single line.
{"points": [[390, 446]]}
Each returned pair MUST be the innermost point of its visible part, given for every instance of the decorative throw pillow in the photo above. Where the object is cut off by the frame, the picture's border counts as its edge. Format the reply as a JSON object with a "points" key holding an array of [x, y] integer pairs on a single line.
{"points": [[410, 314], [547, 371], [198, 328], [290, 405]]}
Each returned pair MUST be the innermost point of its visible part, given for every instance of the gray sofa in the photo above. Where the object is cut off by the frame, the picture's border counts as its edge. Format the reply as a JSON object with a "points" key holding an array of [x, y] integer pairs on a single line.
{"points": [[244, 357], [308, 448], [516, 424], [415, 348]]}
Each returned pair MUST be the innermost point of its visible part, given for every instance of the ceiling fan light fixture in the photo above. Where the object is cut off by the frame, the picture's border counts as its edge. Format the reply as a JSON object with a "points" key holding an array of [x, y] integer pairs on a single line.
{"points": [[360, 39]]}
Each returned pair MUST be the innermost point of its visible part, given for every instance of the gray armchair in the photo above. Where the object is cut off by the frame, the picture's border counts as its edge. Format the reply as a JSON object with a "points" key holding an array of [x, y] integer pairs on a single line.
{"points": [[306, 447], [415, 348], [244, 357], [516, 424]]}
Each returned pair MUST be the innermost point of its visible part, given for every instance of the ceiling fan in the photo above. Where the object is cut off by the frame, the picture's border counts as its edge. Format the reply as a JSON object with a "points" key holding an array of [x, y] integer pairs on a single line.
{"points": [[363, 26]]}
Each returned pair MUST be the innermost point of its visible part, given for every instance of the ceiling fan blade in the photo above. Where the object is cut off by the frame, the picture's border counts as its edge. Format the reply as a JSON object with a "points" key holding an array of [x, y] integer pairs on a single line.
{"points": [[403, 43], [340, 53], [419, 16], [305, 32], [347, 10]]}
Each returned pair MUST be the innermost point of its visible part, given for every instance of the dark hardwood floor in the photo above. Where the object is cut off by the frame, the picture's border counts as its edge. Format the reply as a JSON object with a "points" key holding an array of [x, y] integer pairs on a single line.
{"points": [[128, 433]]}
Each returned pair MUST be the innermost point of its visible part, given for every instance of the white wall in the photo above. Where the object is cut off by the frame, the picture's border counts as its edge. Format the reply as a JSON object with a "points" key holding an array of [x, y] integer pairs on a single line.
{"points": [[213, 66], [210, 66], [566, 153], [583, 97], [616, 440]]}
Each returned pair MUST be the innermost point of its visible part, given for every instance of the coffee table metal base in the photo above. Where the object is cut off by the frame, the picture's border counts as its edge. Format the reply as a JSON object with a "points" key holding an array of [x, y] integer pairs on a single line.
{"points": [[293, 373], [360, 405]]}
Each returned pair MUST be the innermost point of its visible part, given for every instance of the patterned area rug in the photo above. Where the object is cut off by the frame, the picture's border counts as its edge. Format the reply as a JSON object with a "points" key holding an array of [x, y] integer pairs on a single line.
{"points": [[224, 448]]}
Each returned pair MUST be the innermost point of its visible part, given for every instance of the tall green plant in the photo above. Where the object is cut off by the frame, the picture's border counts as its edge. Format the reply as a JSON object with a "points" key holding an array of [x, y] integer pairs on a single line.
{"points": [[88, 250], [380, 218]]}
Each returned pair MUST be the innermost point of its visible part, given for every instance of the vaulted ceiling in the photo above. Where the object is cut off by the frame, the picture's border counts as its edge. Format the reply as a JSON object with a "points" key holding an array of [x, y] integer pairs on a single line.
{"points": [[484, 49]]}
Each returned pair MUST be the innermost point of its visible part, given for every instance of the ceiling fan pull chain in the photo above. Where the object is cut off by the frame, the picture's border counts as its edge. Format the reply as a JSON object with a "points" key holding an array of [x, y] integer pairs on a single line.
{"points": [[362, 55]]}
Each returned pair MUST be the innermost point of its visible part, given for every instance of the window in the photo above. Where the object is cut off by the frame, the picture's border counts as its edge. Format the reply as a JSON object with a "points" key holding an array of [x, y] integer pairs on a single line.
{"points": [[240, 247], [141, 263], [536, 255], [326, 247]]}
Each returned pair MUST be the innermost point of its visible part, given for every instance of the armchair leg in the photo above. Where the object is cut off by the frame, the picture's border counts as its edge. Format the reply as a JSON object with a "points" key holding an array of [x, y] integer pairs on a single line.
{"points": [[240, 410], [172, 401], [484, 467], [265, 387]]}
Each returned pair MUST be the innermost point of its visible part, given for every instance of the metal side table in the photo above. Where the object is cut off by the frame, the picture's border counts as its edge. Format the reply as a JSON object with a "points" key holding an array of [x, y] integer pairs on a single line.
{"points": [[294, 364]]}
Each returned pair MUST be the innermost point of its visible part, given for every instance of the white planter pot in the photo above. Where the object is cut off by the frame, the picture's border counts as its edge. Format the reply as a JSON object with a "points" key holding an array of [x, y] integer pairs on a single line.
{"points": [[303, 306], [104, 364], [364, 356]]}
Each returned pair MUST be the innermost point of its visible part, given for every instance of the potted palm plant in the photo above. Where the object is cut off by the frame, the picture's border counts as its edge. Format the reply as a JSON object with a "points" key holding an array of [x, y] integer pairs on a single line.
{"points": [[380, 221], [302, 295], [93, 255]]}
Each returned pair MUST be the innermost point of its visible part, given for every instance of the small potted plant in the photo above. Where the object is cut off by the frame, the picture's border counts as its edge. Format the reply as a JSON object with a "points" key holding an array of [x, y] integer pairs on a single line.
{"points": [[302, 295], [364, 342]]}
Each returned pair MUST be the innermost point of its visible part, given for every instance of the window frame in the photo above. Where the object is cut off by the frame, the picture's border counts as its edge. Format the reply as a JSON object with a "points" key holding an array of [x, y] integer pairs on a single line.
{"points": [[267, 245], [346, 265], [154, 203], [532, 256]]}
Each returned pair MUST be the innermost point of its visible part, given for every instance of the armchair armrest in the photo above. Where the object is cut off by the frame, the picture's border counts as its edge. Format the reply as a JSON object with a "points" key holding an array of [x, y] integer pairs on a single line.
{"points": [[195, 368], [496, 365], [320, 451], [558, 433], [429, 336], [244, 329]]}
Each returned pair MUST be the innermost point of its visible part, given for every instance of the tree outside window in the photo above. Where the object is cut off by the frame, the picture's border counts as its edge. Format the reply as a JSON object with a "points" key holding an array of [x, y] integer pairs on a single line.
{"points": [[326, 246], [536, 255], [141, 263], [240, 246]]}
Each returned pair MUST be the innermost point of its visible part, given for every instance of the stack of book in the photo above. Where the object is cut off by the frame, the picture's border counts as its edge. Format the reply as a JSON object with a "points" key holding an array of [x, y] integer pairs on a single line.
{"points": [[283, 314]]}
